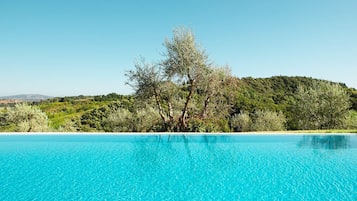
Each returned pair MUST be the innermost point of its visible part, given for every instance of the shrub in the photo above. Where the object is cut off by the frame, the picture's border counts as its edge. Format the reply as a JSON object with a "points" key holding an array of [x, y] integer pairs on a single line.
{"points": [[27, 118], [323, 106], [146, 119], [119, 121], [268, 121], [241, 122], [68, 126]]}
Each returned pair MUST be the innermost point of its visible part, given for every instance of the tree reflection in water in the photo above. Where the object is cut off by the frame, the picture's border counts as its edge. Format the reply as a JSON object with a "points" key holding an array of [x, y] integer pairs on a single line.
{"points": [[325, 142], [147, 148]]}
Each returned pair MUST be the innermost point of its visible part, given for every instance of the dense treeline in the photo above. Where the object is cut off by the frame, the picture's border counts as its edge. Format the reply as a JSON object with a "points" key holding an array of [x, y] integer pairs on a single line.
{"points": [[186, 92], [281, 94], [280, 90]]}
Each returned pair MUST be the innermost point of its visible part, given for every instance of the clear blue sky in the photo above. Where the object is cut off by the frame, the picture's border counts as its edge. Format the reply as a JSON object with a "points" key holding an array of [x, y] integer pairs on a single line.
{"points": [[74, 47]]}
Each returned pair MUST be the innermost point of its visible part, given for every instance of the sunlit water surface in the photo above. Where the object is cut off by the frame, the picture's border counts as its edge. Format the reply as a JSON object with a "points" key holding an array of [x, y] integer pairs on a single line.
{"points": [[214, 167]]}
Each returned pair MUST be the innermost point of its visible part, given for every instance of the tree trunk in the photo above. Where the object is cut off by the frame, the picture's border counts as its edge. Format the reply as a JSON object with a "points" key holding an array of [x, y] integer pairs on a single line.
{"points": [[183, 124], [161, 111], [205, 108], [171, 120]]}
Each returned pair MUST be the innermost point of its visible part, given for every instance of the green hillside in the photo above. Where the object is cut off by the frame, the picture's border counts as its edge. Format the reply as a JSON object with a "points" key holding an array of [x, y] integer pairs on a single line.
{"points": [[117, 113], [278, 93]]}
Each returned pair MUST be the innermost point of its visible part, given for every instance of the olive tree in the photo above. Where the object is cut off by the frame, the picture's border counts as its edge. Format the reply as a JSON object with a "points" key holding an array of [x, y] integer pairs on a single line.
{"points": [[187, 64], [184, 85], [212, 94], [260, 120], [144, 119], [323, 106], [241, 122], [27, 118], [150, 85], [265, 120]]}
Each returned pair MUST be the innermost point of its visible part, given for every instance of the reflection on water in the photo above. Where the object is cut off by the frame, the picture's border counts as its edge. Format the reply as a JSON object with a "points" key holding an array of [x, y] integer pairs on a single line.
{"points": [[325, 142], [210, 141], [154, 151], [167, 141], [207, 139]]}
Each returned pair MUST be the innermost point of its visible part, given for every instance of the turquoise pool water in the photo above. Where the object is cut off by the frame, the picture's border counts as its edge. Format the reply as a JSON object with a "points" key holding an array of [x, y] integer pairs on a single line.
{"points": [[219, 167]]}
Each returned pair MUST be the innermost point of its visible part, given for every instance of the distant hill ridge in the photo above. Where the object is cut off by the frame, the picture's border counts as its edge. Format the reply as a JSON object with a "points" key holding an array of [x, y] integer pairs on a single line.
{"points": [[26, 97]]}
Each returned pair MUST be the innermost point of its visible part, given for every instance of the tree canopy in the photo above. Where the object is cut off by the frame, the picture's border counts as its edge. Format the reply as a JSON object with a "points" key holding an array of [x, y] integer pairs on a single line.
{"points": [[27, 118], [182, 85], [322, 106]]}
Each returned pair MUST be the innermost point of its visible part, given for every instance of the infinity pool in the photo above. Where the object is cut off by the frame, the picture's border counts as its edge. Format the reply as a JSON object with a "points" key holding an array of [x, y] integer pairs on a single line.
{"points": [[178, 167]]}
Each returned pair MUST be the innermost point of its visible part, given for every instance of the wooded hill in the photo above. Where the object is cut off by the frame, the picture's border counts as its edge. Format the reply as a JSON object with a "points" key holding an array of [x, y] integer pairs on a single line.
{"points": [[277, 92], [117, 113]]}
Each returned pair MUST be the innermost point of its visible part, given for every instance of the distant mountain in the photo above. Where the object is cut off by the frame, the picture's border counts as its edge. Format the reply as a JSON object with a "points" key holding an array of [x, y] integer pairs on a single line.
{"points": [[26, 97]]}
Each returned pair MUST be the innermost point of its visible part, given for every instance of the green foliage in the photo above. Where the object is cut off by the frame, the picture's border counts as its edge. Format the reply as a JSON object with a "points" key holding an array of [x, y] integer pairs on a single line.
{"points": [[94, 120], [83, 113], [27, 118], [69, 126], [351, 120], [260, 120], [208, 125], [110, 97], [120, 120], [142, 120], [184, 60], [147, 120], [5, 125], [146, 79], [191, 95], [323, 106], [241, 122], [353, 97], [3, 117], [60, 111], [219, 103], [276, 94], [268, 121], [198, 125], [184, 86]]}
